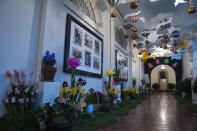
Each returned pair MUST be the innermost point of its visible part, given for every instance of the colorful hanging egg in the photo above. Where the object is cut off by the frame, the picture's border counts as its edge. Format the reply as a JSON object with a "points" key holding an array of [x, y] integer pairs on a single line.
{"points": [[157, 61], [134, 36], [134, 5], [175, 34], [150, 65], [146, 33], [191, 10], [114, 4], [175, 64], [166, 61]]}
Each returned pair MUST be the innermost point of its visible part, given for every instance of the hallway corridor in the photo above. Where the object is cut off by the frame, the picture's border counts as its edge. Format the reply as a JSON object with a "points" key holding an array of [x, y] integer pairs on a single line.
{"points": [[161, 112]]}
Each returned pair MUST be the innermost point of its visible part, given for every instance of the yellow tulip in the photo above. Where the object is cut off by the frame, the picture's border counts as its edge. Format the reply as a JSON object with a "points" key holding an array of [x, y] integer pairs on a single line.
{"points": [[109, 72]]}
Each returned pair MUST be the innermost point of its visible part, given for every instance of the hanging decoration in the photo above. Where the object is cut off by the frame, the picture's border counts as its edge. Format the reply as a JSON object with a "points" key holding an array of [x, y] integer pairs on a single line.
{"points": [[157, 61], [150, 65], [134, 4], [126, 36], [175, 34], [139, 46], [114, 4], [175, 41], [133, 17], [127, 26], [145, 33], [165, 38], [166, 61], [165, 23], [144, 56], [134, 35], [175, 64], [191, 9]]}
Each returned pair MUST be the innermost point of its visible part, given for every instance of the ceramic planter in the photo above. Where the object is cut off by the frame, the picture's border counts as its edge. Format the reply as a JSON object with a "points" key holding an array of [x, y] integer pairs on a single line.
{"points": [[48, 73]]}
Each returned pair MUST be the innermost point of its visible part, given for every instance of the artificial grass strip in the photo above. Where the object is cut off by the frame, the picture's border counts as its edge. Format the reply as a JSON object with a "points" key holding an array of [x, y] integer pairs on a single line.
{"points": [[188, 103], [106, 118]]}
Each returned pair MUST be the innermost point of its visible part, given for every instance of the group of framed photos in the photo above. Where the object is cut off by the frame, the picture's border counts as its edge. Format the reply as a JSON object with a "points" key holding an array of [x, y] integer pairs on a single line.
{"points": [[122, 64], [85, 45]]}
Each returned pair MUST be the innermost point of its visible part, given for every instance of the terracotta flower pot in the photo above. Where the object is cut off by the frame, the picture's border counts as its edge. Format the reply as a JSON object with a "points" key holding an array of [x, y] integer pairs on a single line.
{"points": [[48, 73]]}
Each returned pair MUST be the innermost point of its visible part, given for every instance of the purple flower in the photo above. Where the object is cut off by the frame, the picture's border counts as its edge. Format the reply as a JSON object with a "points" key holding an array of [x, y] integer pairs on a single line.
{"points": [[8, 74], [33, 100], [23, 73], [32, 93], [91, 90], [65, 84], [9, 91], [16, 72], [27, 99], [17, 91], [73, 62], [13, 100], [62, 100], [27, 90], [5, 100], [16, 83], [30, 84], [81, 82], [21, 101]]}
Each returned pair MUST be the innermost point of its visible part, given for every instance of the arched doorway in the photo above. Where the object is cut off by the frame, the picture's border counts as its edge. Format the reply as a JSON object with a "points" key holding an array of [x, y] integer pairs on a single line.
{"points": [[162, 75]]}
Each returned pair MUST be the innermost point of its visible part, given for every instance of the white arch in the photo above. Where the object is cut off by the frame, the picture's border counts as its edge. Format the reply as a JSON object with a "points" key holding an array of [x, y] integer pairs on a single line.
{"points": [[171, 74]]}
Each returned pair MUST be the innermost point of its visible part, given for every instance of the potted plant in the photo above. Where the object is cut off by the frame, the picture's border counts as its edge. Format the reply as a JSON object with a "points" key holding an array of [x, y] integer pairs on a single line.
{"points": [[19, 102], [194, 95], [171, 87], [68, 105], [155, 86], [48, 69], [21, 96]]}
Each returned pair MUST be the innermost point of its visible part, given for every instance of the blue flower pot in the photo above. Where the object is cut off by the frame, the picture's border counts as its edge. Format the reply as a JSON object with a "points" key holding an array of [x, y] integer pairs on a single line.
{"points": [[90, 109]]}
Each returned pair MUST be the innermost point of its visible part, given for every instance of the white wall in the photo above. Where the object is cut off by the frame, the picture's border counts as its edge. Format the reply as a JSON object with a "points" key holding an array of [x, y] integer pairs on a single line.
{"points": [[18, 35]]}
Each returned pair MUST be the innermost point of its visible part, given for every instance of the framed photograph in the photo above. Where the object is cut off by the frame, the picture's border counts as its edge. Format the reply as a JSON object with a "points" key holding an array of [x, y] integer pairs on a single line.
{"points": [[78, 36], [122, 64], [96, 63], [88, 42], [97, 47], [83, 43], [88, 58], [77, 54]]}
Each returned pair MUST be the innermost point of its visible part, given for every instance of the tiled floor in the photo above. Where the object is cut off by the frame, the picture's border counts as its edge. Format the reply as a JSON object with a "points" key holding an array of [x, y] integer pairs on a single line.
{"points": [[161, 112]]}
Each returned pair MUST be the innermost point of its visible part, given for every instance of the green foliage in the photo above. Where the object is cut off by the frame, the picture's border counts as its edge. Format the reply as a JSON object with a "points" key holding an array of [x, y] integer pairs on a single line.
{"points": [[19, 122], [171, 86], [195, 86]]}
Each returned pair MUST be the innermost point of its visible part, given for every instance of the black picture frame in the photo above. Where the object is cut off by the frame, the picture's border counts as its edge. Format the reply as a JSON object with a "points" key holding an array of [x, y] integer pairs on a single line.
{"points": [[116, 65], [68, 46]]}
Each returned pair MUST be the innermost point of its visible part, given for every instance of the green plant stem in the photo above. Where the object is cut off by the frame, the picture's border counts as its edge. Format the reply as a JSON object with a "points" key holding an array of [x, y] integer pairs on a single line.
{"points": [[73, 78]]}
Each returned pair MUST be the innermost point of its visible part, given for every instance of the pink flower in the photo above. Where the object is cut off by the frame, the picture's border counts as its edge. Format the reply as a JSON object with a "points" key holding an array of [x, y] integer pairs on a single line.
{"points": [[31, 73], [8, 74], [23, 73], [74, 62], [105, 82], [21, 101], [16, 72], [17, 91], [13, 100], [5, 100], [9, 91], [16, 83], [33, 100]]}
